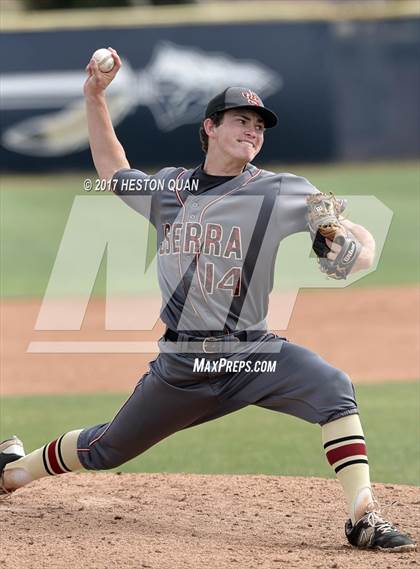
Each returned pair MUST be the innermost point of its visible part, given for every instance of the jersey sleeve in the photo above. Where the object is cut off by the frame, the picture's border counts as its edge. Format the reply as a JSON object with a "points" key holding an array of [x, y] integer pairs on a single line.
{"points": [[141, 191], [291, 203]]}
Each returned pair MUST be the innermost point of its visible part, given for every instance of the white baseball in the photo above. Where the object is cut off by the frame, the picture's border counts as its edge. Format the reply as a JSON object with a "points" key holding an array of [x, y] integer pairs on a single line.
{"points": [[104, 59]]}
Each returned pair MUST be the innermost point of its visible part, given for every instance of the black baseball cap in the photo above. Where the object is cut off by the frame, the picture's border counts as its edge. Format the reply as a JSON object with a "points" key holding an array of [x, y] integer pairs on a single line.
{"points": [[241, 98]]}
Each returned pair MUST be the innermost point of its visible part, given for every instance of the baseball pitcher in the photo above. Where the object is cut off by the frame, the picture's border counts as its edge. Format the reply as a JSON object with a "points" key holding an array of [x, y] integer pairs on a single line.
{"points": [[219, 227]]}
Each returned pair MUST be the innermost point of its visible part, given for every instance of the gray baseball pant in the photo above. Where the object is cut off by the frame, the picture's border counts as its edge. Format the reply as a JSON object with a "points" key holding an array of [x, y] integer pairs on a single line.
{"points": [[171, 396]]}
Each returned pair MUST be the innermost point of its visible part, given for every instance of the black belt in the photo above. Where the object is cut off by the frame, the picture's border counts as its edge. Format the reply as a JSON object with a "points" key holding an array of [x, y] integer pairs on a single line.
{"points": [[215, 342]]}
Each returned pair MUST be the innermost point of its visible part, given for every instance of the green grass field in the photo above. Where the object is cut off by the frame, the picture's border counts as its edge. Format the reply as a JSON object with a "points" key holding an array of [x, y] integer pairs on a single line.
{"points": [[250, 441], [34, 211]]}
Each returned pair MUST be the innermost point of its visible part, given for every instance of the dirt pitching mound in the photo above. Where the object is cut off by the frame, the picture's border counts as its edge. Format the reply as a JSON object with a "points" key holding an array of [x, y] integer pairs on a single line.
{"points": [[174, 521]]}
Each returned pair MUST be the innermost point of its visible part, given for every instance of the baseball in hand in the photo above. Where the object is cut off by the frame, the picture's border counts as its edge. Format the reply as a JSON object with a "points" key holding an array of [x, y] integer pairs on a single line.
{"points": [[104, 59]]}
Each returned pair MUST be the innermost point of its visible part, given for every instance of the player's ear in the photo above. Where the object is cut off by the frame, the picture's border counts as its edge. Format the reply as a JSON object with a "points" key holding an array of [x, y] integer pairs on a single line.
{"points": [[209, 127]]}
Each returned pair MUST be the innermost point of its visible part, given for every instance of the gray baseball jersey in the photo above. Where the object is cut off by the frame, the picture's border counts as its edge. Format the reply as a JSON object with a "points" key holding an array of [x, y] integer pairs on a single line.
{"points": [[216, 250], [215, 254]]}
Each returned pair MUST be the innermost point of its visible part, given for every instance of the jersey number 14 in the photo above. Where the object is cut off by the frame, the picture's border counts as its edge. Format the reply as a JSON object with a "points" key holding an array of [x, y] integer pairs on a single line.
{"points": [[230, 281]]}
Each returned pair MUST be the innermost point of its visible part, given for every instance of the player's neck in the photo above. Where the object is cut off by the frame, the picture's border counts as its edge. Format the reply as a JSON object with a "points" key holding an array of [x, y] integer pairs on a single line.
{"points": [[223, 166]]}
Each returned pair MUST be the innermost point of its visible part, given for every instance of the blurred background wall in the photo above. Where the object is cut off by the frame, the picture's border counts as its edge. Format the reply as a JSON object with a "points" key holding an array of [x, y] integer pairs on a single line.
{"points": [[343, 77]]}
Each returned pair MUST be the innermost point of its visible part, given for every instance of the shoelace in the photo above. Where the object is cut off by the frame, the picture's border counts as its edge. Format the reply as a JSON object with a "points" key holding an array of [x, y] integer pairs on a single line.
{"points": [[379, 523]]}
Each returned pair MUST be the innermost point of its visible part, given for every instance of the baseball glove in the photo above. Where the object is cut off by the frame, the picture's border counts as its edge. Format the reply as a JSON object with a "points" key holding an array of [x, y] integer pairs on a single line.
{"points": [[323, 218]]}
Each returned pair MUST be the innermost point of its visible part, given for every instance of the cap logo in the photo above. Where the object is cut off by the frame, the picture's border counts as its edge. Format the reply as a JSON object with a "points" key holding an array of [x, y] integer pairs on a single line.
{"points": [[252, 98]]}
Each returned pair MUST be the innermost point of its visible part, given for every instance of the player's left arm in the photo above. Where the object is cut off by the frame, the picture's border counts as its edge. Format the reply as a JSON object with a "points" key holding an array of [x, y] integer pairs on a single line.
{"points": [[365, 238]]}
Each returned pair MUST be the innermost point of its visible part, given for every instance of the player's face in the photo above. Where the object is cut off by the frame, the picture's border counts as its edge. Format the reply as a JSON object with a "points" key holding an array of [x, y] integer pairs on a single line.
{"points": [[241, 134]]}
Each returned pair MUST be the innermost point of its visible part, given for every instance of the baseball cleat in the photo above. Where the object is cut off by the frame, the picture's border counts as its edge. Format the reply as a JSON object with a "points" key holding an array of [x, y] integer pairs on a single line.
{"points": [[373, 532], [10, 450]]}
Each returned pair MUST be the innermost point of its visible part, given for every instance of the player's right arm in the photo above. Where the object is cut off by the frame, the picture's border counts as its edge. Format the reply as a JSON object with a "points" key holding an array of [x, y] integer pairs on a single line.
{"points": [[107, 152]]}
